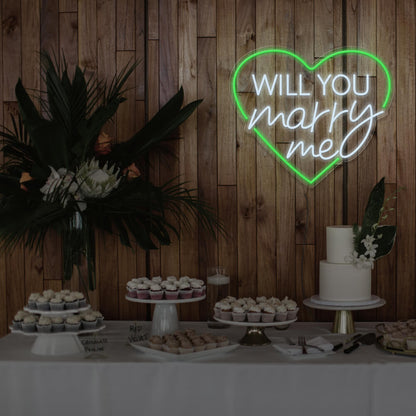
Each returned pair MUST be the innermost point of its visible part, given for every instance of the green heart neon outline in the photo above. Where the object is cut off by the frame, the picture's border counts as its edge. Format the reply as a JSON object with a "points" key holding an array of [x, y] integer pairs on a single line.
{"points": [[310, 181]]}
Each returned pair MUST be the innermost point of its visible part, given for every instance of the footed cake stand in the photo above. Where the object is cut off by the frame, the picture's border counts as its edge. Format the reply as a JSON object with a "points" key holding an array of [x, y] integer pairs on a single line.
{"points": [[57, 343], [343, 322], [165, 316], [255, 335]]}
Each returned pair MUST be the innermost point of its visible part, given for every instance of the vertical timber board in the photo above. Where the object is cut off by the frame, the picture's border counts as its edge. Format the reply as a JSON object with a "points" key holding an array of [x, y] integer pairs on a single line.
{"points": [[324, 190], [125, 25], [168, 70], [15, 259], [406, 158], [68, 5], [207, 149], [140, 49], [87, 36], [152, 108], [352, 179], [226, 113], [11, 48], [188, 145], [285, 180], [207, 18], [305, 196], [367, 35], [266, 163], [246, 205], [153, 19], [305, 280], [68, 40], [386, 126], [126, 127], [228, 243]]}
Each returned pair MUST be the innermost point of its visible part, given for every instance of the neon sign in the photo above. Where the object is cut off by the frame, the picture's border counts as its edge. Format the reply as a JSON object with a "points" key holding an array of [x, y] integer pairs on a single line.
{"points": [[318, 105]]}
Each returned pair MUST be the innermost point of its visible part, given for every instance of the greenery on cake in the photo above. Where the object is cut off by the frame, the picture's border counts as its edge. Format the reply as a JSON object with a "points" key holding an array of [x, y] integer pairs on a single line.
{"points": [[62, 172], [373, 240]]}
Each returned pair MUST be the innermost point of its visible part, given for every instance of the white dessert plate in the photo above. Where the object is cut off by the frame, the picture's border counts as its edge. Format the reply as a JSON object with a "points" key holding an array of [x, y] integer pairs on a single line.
{"points": [[316, 299], [56, 313], [143, 347], [61, 333], [257, 324], [165, 301]]}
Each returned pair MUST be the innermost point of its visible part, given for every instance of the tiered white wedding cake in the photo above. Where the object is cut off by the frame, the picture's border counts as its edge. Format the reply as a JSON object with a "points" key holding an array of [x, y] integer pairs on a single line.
{"points": [[340, 280]]}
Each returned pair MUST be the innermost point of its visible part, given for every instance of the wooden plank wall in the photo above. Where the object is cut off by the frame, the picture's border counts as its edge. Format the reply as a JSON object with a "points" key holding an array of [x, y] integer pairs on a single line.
{"points": [[275, 224]]}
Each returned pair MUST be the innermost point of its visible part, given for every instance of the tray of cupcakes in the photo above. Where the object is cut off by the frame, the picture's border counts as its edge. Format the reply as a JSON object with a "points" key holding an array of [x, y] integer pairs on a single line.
{"points": [[398, 337], [261, 311], [169, 290], [54, 303], [185, 345], [27, 323]]}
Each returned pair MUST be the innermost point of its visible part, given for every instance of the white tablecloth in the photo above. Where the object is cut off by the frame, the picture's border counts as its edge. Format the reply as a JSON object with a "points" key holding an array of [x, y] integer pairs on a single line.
{"points": [[247, 381]]}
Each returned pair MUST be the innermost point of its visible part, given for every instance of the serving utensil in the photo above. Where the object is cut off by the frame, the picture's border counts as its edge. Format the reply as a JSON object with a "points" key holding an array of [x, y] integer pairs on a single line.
{"points": [[367, 339], [343, 344]]}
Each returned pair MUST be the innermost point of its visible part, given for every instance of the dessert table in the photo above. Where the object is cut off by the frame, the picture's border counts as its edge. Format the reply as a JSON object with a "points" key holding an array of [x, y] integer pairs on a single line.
{"points": [[249, 380]]}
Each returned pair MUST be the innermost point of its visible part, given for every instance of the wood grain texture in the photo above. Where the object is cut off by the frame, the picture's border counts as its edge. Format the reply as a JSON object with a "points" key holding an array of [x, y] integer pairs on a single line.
{"points": [[87, 36], [207, 18], [68, 40], [140, 50], [68, 5], [125, 25]]}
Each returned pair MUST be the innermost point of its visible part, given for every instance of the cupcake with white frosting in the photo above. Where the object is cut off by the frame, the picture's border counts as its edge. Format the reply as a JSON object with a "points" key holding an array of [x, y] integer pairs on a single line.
{"points": [[32, 300], [268, 314], [171, 291], [18, 320], [57, 323], [131, 289], [79, 296], [156, 292], [226, 311], [42, 304], [44, 325], [185, 290], [143, 291], [254, 313], [238, 313], [99, 316], [89, 321], [29, 323], [157, 279], [171, 279], [73, 323], [292, 309], [71, 302], [281, 313], [197, 288], [57, 304]]}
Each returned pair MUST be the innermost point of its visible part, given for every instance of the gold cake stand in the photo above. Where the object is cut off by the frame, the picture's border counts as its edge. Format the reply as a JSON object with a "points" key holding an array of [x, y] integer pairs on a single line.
{"points": [[255, 335], [343, 321]]}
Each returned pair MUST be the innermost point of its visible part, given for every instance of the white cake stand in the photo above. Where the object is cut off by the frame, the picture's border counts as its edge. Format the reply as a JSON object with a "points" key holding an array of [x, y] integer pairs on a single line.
{"points": [[343, 322], [165, 316], [255, 335], [57, 343]]}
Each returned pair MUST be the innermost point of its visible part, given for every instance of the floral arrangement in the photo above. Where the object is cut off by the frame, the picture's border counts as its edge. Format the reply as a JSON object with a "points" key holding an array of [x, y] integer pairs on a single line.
{"points": [[62, 171], [373, 240]]}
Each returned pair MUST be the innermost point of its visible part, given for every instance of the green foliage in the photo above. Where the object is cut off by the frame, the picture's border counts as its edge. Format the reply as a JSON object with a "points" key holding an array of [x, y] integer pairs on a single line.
{"points": [[62, 137]]}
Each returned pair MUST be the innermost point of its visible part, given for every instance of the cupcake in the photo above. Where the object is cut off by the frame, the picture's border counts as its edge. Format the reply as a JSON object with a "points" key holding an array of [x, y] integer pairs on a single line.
{"points": [[57, 324], [48, 294], [171, 292], [254, 314], [18, 320], [156, 292], [226, 312], [71, 302], [281, 313], [163, 284], [185, 290], [261, 299], [131, 289], [171, 279], [99, 316], [42, 304], [32, 300], [65, 292], [238, 314], [157, 279], [222, 341], [268, 314], [217, 310], [79, 296], [57, 304], [29, 323], [184, 279], [89, 321], [44, 325], [292, 309], [142, 291], [73, 323], [155, 342], [197, 288]]}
